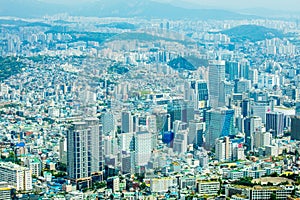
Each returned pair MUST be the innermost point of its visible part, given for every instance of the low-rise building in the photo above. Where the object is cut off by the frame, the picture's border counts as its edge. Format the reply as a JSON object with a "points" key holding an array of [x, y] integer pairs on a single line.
{"points": [[208, 187], [162, 184], [5, 191]]}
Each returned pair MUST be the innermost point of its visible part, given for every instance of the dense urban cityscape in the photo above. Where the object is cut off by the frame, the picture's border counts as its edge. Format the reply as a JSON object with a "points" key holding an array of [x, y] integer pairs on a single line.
{"points": [[149, 108]]}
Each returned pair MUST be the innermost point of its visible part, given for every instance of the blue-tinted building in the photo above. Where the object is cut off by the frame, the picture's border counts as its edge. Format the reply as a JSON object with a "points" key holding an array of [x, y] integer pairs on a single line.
{"points": [[219, 123]]}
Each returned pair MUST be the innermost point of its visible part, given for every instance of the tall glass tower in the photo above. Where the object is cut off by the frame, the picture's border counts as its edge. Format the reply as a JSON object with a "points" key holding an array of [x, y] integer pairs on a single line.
{"points": [[219, 123], [216, 77]]}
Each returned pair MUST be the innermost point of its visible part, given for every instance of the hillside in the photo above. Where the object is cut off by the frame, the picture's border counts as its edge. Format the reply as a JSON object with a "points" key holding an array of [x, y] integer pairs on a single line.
{"points": [[180, 64], [253, 33]]}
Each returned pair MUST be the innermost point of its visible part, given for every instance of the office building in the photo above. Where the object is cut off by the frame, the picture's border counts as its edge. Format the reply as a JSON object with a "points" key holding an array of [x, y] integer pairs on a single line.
{"points": [[295, 127], [246, 112], [108, 124], [181, 110], [260, 109], [143, 148], [196, 130], [162, 184], [232, 70], [223, 149], [202, 94], [180, 142], [219, 123], [127, 122], [216, 77], [275, 122], [262, 139], [251, 125]]}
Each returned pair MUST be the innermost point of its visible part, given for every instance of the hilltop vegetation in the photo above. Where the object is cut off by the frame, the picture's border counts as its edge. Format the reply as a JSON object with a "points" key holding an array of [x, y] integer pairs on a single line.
{"points": [[253, 33], [181, 63], [9, 66]]}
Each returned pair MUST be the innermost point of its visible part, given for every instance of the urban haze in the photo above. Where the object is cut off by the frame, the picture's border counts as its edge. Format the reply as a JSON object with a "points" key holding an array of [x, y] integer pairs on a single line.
{"points": [[149, 99]]}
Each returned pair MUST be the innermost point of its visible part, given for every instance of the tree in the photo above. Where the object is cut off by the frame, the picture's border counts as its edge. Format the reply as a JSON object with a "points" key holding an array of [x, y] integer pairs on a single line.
{"points": [[143, 186], [274, 174], [273, 196]]}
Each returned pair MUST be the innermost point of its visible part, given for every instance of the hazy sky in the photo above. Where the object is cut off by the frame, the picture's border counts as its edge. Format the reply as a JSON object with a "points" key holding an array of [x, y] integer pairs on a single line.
{"points": [[292, 5], [242, 4]]}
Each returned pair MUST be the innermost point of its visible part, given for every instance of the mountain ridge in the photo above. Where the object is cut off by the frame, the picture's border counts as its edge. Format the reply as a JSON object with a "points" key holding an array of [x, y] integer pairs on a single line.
{"points": [[115, 8]]}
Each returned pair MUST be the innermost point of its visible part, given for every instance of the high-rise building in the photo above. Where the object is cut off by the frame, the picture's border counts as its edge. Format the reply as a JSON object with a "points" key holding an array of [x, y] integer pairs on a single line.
{"points": [[202, 94], [195, 130], [127, 143], [297, 109], [246, 108], [262, 139], [295, 127], [260, 109], [216, 77], [223, 149], [85, 149], [226, 90], [181, 110], [219, 123], [143, 148], [180, 141], [108, 123], [244, 69], [275, 122], [15, 175], [127, 122], [233, 70], [242, 86], [251, 125]]}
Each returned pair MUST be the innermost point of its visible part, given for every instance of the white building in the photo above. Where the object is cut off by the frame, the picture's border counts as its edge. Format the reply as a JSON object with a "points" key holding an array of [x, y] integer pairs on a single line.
{"points": [[17, 176], [180, 142], [143, 148], [208, 187], [223, 149], [127, 141], [162, 184]]}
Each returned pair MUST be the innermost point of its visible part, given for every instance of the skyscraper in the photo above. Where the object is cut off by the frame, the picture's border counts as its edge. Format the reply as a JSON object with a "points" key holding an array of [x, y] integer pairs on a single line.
{"points": [[275, 122], [181, 110], [143, 148], [216, 76], [108, 123], [127, 122], [252, 125], [219, 123], [295, 127], [196, 130], [260, 109], [85, 151], [246, 107], [223, 149], [180, 142], [202, 94], [233, 70]]}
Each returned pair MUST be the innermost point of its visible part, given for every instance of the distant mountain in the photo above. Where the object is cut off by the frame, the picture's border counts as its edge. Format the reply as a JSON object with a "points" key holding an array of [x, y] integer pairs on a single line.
{"points": [[253, 33], [118, 25], [114, 8], [181, 63]]}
